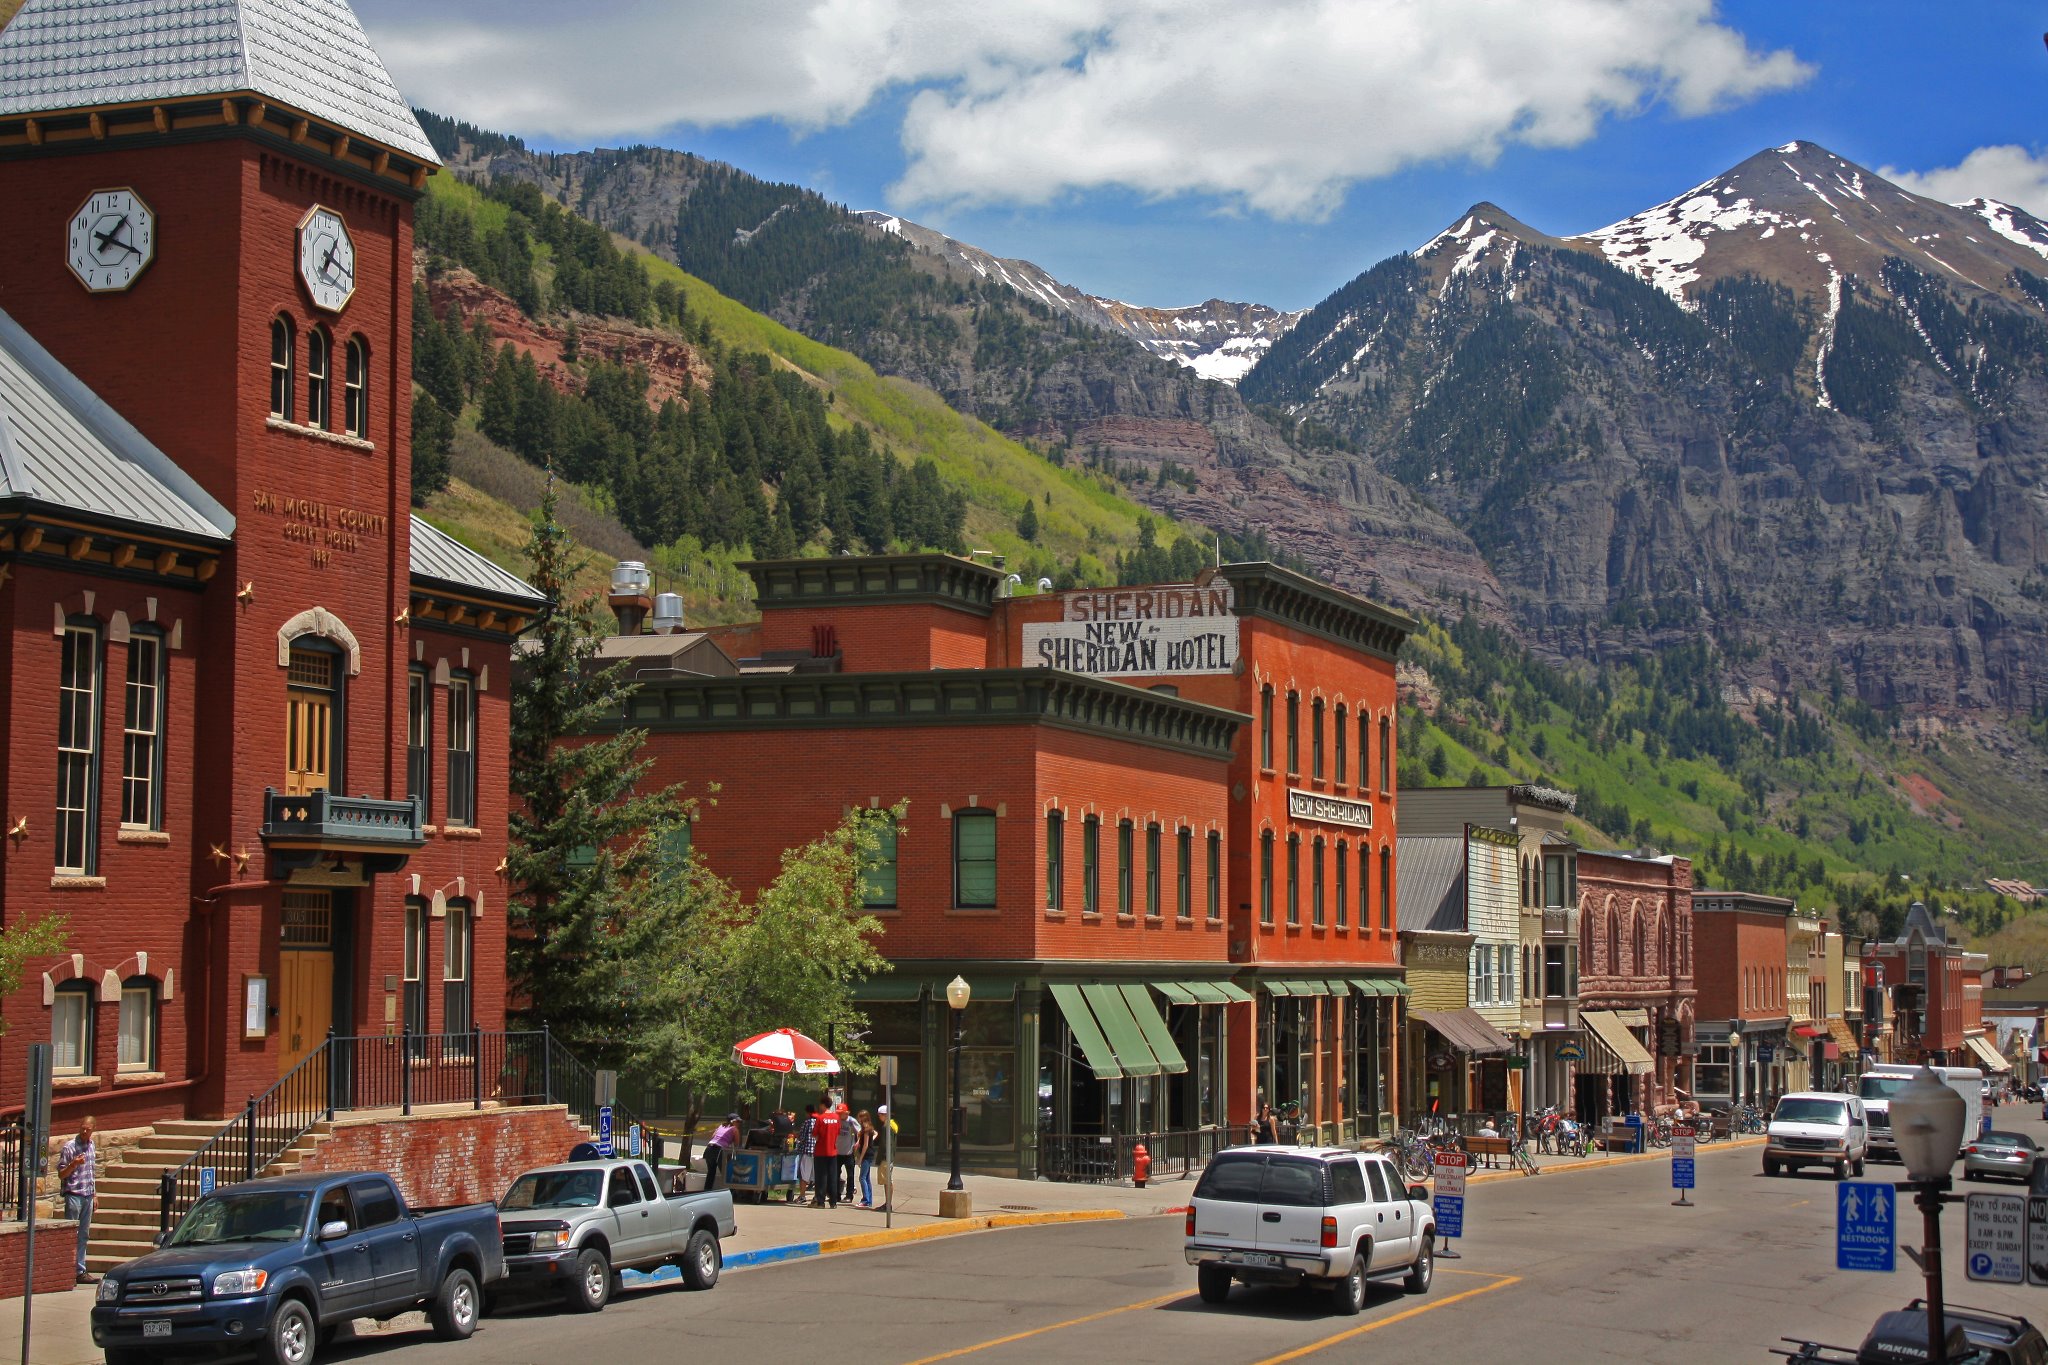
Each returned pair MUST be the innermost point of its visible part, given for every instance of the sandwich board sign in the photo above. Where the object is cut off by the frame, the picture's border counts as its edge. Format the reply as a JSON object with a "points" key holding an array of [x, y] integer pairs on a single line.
{"points": [[1866, 1226]]}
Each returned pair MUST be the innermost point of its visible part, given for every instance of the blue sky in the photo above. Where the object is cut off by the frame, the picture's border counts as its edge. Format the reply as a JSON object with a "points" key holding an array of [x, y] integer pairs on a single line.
{"points": [[1169, 151]]}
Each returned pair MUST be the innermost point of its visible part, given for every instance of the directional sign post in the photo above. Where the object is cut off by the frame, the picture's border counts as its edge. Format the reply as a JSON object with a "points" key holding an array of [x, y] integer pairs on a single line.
{"points": [[1681, 1166], [1448, 1203], [1996, 1238], [604, 1131], [1866, 1226]]}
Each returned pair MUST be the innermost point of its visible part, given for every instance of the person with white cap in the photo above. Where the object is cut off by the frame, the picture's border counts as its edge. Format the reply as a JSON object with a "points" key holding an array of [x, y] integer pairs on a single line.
{"points": [[883, 1119]]}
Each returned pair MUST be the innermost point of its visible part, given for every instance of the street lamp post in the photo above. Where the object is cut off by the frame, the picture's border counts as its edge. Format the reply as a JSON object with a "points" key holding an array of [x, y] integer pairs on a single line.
{"points": [[1927, 1123], [953, 1202]]}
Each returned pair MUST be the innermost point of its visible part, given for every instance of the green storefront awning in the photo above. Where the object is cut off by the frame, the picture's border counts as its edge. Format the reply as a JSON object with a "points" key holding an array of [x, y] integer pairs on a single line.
{"points": [[1175, 992], [1396, 987], [1101, 1056], [1205, 992], [889, 988], [1339, 986], [1158, 1037], [1368, 985], [1310, 987], [1232, 992], [1121, 1028], [1284, 988]]}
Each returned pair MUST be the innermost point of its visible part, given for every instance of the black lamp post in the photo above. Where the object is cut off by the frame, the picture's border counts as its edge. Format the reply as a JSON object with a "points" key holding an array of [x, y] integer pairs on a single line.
{"points": [[1927, 1123], [957, 992]]}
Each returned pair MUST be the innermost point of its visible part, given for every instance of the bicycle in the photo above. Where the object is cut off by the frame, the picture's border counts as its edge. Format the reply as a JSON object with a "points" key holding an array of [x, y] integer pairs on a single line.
{"points": [[1519, 1158]]}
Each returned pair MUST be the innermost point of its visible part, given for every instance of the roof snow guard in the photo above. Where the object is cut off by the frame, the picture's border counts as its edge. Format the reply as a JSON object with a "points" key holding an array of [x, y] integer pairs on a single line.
{"points": [[311, 55]]}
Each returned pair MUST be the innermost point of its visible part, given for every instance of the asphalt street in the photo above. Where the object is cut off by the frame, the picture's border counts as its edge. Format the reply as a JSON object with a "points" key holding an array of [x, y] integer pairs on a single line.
{"points": [[1592, 1266]]}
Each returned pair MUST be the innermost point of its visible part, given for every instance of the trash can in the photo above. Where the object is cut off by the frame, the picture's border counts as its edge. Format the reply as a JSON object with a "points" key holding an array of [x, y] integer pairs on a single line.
{"points": [[1635, 1138]]}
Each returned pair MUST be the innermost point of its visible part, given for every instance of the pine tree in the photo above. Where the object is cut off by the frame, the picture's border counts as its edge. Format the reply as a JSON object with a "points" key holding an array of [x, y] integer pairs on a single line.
{"points": [[1027, 524], [583, 835], [433, 438]]}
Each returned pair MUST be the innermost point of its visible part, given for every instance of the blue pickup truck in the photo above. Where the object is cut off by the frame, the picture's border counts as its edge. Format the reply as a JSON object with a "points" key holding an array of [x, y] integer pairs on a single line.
{"points": [[277, 1266]]}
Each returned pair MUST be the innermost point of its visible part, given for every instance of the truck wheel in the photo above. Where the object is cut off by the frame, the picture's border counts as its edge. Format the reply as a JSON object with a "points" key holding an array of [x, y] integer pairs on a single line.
{"points": [[700, 1260], [455, 1307], [291, 1338], [591, 1286], [1770, 1168], [1424, 1270], [1859, 1167], [1214, 1282], [1841, 1170], [1350, 1291]]}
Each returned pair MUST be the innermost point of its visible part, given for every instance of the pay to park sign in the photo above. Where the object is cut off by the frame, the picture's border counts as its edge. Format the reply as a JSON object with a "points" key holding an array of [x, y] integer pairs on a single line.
{"points": [[1996, 1238]]}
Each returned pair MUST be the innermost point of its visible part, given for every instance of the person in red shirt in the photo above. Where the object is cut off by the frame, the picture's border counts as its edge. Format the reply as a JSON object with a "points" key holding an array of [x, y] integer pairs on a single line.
{"points": [[825, 1183]]}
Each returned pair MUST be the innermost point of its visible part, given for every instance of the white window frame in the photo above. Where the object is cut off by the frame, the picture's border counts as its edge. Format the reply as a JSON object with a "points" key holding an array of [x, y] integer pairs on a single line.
{"points": [[71, 1012], [319, 373], [355, 389], [78, 756], [461, 739], [142, 736], [137, 997], [282, 358]]}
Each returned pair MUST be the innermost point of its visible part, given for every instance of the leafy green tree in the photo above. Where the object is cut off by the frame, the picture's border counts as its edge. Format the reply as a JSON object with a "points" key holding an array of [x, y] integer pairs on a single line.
{"points": [[788, 959], [20, 944], [579, 822]]}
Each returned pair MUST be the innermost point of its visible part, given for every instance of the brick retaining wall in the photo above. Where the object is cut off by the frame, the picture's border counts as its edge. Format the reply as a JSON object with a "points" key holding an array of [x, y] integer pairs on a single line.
{"points": [[56, 1244], [459, 1158]]}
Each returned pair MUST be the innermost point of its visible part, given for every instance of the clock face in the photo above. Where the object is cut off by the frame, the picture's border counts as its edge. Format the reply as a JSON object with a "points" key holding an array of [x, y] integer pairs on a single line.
{"points": [[111, 239], [327, 259]]}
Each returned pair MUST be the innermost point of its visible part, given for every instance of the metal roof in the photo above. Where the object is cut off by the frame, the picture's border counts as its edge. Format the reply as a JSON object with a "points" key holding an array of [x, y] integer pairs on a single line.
{"points": [[1430, 883], [439, 556], [309, 54], [62, 446]]}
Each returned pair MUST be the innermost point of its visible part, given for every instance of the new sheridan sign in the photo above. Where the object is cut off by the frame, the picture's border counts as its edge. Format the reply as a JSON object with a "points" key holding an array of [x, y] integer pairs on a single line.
{"points": [[1135, 632], [1328, 810]]}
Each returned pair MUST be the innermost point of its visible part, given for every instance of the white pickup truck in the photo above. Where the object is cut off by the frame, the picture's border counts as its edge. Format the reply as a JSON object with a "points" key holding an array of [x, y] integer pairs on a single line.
{"points": [[1292, 1215]]}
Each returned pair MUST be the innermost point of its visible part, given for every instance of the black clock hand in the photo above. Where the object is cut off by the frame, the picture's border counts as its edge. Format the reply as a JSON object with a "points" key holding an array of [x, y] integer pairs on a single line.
{"points": [[112, 237]]}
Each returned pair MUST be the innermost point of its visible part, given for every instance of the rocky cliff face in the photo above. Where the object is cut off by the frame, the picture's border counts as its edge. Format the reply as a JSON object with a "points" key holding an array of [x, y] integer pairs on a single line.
{"points": [[1796, 407]]}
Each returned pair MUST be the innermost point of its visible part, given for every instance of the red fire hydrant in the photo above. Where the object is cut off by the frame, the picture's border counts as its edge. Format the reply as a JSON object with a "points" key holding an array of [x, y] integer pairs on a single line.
{"points": [[1141, 1165]]}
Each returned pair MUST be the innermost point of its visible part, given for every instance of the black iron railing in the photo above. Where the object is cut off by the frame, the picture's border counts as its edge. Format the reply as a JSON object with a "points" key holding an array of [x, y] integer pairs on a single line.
{"points": [[1107, 1158], [17, 1186], [396, 1071]]}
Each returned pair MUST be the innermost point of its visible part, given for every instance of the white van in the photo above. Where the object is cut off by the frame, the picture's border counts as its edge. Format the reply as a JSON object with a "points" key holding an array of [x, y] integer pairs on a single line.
{"points": [[1817, 1128], [1884, 1080]]}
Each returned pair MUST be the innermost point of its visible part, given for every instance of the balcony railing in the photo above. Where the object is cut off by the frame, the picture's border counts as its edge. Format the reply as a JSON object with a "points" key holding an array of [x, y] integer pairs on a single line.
{"points": [[1561, 921], [324, 819]]}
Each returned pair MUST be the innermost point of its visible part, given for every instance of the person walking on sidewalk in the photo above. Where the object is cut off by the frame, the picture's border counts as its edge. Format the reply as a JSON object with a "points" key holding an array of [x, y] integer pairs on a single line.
{"points": [[806, 1151], [849, 1132], [885, 1125], [825, 1133], [75, 1176], [864, 1153]]}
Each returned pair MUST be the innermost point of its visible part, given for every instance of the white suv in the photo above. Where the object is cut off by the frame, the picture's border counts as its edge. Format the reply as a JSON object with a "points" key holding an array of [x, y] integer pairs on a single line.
{"points": [[1292, 1215]]}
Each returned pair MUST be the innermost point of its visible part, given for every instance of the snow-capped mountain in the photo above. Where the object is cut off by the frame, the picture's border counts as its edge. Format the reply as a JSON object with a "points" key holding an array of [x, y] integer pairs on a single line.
{"points": [[1802, 216], [1217, 339]]}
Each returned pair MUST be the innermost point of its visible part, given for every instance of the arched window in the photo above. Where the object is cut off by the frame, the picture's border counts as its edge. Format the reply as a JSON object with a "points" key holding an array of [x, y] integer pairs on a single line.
{"points": [[1266, 871], [1266, 726], [138, 1025], [1293, 732], [355, 390], [319, 368], [71, 1011], [1642, 950], [1614, 942], [1340, 897], [1294, 881], [1339, 733], [1386, 755], [1315, 739], [281, 346], [1315, 886], [1386, 890]]}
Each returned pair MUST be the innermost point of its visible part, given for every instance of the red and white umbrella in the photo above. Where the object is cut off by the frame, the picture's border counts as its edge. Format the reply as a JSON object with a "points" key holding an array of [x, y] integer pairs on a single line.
{"points": [[785, 1050]]}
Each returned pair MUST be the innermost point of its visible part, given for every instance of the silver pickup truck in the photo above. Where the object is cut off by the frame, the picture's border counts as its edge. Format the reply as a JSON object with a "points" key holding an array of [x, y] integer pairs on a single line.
{"points": [[571, 1228]]}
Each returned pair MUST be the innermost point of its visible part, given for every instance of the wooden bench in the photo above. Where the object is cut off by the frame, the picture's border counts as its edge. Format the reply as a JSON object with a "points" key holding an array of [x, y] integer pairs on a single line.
{"points": [[1488, 1147]]}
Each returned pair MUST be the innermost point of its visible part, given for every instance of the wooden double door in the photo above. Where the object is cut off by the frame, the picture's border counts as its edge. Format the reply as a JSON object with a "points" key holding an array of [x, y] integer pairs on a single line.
{"points": [[305, 981]]}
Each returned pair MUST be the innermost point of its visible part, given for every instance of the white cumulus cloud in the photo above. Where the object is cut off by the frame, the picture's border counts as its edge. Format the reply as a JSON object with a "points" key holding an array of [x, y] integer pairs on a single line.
{"points": [[1276, 107], [2010, 173]]}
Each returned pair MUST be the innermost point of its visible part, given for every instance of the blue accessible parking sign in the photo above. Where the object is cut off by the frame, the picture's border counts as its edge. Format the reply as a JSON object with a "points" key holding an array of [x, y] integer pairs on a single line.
{"points": [[1866, 1232], [604, 1131]]}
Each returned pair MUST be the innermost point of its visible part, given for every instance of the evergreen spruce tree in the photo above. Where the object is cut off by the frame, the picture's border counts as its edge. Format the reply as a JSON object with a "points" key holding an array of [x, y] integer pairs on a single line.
{"points": [[1027, 524], [433, 437], [583, 835]]}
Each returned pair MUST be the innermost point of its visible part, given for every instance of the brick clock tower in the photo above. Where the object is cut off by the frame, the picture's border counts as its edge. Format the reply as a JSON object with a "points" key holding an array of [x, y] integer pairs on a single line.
{"points": [[255, 729]]}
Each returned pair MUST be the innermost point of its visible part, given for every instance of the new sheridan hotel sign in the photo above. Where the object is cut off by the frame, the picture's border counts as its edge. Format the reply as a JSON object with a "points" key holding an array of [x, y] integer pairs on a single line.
{"points": [[1130, 632]]}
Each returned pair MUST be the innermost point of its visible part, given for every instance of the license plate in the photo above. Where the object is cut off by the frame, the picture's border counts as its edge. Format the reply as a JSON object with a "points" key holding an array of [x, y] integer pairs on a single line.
{"points": [[1253, 1258], [156, 1329]]}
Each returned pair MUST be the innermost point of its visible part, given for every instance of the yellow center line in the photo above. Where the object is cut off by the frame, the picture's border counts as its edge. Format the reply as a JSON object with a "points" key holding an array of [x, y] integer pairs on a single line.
{"points": [[1053, 1327], [1377, 1323]]}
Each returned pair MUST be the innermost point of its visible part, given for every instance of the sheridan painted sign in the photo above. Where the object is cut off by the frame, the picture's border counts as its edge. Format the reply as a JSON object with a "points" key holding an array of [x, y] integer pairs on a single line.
{"points": [[1329, 810], [1123, 632]]}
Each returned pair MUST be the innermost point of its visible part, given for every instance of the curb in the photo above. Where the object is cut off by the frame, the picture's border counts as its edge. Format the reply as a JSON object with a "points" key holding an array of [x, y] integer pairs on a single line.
{"points": [[1594, 1163], [861, 1241]]}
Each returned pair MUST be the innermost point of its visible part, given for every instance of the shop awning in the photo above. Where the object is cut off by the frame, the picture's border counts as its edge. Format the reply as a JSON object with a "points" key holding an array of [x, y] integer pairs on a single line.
{"points": [[1175, 993], [1121, 1029], [1277, 987], [1809, 1030], [1232, 992], [1365, 985], [1101, 1056], [1467, 1031], [1844, 1036], [1623, 1054], [1205, 992], [1987, 1054], [1311, 987], [889, 988], [1158, 1037]]}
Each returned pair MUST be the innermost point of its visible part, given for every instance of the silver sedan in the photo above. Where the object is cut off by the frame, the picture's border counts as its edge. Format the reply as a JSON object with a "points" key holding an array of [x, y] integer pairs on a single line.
{"points": [[2007, 1155]]}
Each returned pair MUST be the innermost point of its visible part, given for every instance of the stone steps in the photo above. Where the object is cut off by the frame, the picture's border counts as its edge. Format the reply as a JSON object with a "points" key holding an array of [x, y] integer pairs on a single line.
{"points": [[127, 1210]]}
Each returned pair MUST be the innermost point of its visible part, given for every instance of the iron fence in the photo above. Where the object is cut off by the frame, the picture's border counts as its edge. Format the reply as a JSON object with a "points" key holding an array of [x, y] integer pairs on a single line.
{"points": [[1108, 1158], [394, 1071]]}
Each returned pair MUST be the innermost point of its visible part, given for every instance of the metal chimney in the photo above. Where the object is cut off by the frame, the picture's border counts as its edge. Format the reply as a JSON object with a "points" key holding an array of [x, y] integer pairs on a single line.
{"points": [[629, 599], [668, 614]]}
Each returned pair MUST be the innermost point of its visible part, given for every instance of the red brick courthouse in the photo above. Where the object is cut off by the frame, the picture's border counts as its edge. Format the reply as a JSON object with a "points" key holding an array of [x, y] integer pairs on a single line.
{"points": [[1152, 827], [254, 726]]}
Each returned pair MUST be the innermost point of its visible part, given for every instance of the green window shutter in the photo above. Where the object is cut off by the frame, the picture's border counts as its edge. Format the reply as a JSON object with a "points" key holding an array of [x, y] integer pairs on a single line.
{"points": [[974, 860]]}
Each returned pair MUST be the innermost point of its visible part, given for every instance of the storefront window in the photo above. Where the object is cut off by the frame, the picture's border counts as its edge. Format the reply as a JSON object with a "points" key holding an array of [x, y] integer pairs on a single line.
{"points": [[1711, 1071]]}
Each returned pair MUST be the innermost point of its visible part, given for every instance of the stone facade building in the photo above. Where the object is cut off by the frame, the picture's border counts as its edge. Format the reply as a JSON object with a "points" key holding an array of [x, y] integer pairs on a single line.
{"points": [[1636, 982]]}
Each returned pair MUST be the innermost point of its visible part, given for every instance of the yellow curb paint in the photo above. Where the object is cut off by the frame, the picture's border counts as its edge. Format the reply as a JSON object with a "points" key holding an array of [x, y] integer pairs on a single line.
{"points": [[1056, 1326], [1501, 1283], [1594, 1163], [858, 1241]]}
